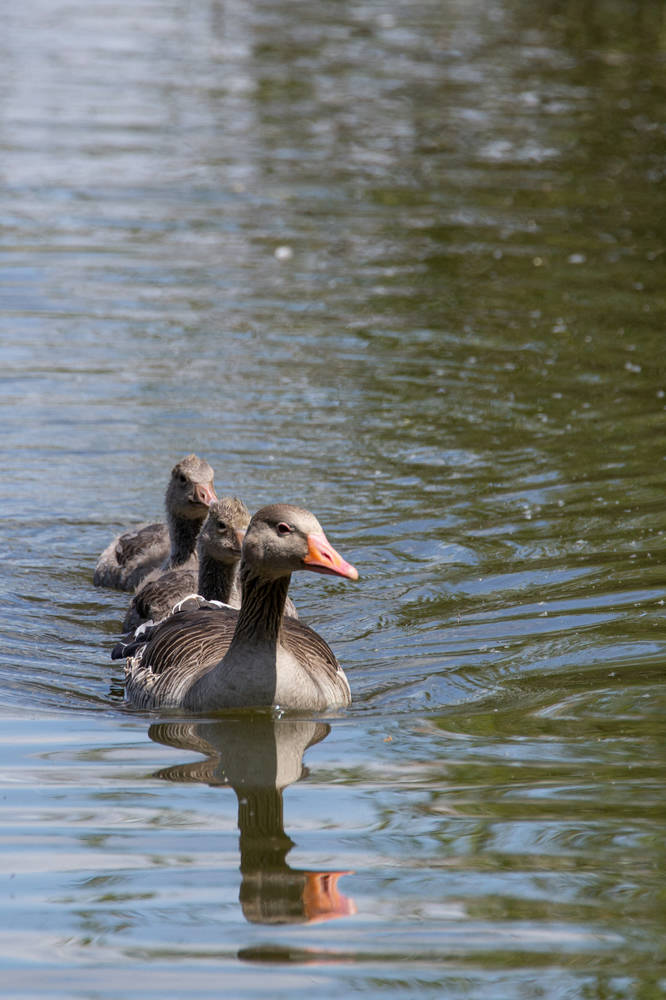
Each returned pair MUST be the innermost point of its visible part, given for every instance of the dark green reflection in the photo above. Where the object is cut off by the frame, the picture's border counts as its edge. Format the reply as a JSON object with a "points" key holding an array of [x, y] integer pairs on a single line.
{"points": [[259, 756]]}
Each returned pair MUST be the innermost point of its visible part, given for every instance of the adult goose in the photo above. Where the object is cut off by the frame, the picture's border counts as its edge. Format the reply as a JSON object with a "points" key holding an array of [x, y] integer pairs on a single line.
{"points": [[219, 550], [130, 557], [216, 658]]}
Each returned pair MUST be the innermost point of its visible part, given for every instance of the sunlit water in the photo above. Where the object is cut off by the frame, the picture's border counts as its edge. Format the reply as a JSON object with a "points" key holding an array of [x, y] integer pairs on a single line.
{"points": [[403, 265]]}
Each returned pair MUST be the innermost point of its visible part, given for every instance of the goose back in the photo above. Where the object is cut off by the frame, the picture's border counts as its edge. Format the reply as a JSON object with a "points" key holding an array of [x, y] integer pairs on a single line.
{"points": [[174, 655]]}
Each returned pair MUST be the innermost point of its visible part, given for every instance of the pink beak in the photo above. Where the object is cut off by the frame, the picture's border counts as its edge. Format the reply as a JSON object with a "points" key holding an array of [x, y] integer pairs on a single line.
{"points": [[205, 494]]}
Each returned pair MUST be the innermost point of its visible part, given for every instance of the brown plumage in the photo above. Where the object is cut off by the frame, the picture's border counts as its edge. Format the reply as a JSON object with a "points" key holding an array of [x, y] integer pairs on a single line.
{"points": [[215, 658], [131, 556], [219, 550]]}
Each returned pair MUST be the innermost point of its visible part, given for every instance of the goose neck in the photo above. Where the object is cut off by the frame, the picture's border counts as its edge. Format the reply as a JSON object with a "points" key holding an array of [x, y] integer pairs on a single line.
{"points": [[262, 607], [218, 581], [183, 533]]}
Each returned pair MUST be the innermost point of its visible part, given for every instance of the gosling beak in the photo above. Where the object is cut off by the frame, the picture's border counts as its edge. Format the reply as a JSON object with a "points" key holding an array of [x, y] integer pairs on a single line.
{"points": [[204, 494], [322, 558]]}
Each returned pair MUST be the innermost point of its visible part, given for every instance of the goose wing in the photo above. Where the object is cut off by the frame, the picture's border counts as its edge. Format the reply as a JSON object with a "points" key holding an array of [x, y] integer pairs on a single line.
{"points": [[188, 641], [156, 597], [312, 652], [134, 544]]}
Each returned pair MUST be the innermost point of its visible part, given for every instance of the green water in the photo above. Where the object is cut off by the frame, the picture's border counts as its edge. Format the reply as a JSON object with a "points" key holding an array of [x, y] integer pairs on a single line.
{"points": [[402, 265]]}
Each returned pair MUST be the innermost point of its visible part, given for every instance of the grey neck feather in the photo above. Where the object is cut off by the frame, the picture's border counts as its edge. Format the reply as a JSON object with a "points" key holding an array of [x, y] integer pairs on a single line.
{"points": [[218, 581], [260, 615], [183, 533]]}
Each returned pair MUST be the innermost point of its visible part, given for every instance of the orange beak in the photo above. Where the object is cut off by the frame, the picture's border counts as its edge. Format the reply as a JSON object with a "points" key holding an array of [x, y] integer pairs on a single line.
{"points": [[322, 900], [322, 558]]}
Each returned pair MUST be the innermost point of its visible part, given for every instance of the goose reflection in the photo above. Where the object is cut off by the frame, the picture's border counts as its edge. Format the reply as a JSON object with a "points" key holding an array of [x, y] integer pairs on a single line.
{"points": [[259, 756]]}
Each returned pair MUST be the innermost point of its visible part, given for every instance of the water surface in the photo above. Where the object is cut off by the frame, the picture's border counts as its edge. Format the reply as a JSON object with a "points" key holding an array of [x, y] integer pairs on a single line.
{"points": [[405, 268]]}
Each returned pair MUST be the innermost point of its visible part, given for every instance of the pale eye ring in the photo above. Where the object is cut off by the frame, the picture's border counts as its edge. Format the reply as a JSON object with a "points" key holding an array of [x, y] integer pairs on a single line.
{"points": [[283, 528]]}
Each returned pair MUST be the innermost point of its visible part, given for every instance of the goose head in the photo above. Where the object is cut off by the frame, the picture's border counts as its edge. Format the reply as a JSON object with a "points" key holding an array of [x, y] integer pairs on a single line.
{"points": [[282, 539], [222, 534], [190, 491]]}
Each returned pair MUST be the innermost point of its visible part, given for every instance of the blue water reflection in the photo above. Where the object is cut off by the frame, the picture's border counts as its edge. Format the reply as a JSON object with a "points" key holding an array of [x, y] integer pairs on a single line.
{"points": [[403, 266]]}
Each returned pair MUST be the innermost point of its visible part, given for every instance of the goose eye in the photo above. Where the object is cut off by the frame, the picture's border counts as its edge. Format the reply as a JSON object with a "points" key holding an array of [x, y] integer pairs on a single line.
{"points": [[283, 528], [183, 478]]}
